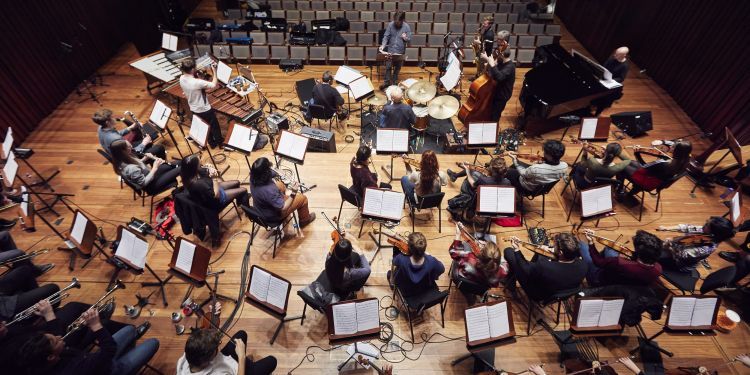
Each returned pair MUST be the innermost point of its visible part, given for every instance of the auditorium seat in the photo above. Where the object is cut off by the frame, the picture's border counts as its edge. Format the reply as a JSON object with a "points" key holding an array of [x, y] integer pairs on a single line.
{"points": [[536, 29], [471, 17], [318, 54], [389, 6], [512, 17], [412, 55], [331, 5], [259, 37], [418, 7], [278, 13], [544, 40], [526, 41], [221, 51], [241, 52], [475, 7], [336, 55], [276, 38], [279, 52], [360, 5], [447, 7], [235, 14], [424, 27], [355, 55], [441, 17], [456, 17], [412, 17], [456, 28], [383, 16], [337, 14], [440, 28], [225, 34], [462, 8], [346, 5], [351, 39], [504, 26], [435, 40], [202, 49], [374, 26], [525, 56], [468, 56], [471, 29], [552, 29], [356, 27], [303, 5], [308, 15], [375, 5], [293, 16], [366, 39], [500, 18], [274, 4], [433, 6], [322, 15], [260, 53], [371, 54], [419, 40], [318, 5], [352, 15], [517, 8], [430, 55], [503, 8], [426, 16], [298, 52], [520, 28], [367, 16], [289, 4], [490, 7]]}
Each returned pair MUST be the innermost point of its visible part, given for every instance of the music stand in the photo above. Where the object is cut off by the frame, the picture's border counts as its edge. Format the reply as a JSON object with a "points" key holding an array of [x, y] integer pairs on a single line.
{"points": [[373, 210], [735, 213], [480, 316], [293, 148], [81, 240], [189, 263], [703, 325], [361, 89], [130, 255], [199, 134], [344, 76], [159, 119], [24, 155], [734, 148], [393, 142], [281, 287], [481, 135], [492, 206], [241, 138], [351, 309], [596, 203]]}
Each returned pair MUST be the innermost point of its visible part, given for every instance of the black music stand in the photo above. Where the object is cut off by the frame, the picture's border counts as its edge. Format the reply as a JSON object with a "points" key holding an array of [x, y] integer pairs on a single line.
{"points": [[393, 150], [159, 119], [490, 216], [378, 218], [241, 138], [340, 339], [287, 142], [89, 239], [734, 148], [483, 350], [122, 263], [268, 308], [199, 130], [599, 204]]}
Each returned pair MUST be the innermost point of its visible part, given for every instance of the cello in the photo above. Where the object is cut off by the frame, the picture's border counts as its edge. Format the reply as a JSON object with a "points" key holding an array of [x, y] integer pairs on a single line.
{"points": [[481, 92]]}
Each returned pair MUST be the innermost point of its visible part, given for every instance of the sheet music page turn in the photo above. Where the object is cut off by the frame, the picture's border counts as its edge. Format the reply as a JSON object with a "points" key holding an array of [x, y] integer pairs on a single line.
{"points": [[497, 316]]}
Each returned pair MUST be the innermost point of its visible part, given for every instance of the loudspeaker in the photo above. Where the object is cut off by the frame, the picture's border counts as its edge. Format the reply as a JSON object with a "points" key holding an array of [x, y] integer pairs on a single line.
{"points": [[304, 90], [320, 140], [633, 124]]}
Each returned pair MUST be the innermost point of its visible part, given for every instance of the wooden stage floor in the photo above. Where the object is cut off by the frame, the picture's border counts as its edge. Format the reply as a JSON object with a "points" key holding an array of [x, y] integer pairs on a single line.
{"points": [[67, 140]]}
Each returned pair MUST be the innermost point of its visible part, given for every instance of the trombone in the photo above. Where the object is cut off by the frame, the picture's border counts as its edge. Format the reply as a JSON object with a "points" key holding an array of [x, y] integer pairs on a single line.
{"points": [[53, 299], [99, 305], [23, 257]]}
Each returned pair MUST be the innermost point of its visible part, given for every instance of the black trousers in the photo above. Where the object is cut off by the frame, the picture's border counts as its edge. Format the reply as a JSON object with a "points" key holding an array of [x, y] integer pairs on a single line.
{"points": [[498, 106], [264, 366], [26, 299], [165, 175], [215, 138], [6, 241], [157, 150]]}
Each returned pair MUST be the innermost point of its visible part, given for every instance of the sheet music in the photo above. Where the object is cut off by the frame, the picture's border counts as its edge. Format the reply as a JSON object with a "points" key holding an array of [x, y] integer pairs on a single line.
{"points": [[160, 114], [243, 137], [361, 87], [452, 57], [611, 310], [199, 131], [7, 143], [588, 128], [259, 284], [477, 326], [703, 312], [293, 145], [367, 315], [10, 169], [277, 292], [25, 199], [482, 133], [393, 205], [132, 249], [497, 316], [185, 256], [496, 199], [390, 140], [373, 202], [589, 312], [452, 75], [223, 71], [681, 311], [735, 207], [169, 42], [345, 75], [595, 201], [79, 227], [384, 140], [345, 319]]}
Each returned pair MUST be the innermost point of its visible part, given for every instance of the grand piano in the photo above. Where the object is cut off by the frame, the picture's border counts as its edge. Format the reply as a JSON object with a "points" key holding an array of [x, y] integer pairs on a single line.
{"points": [[562, 82]]}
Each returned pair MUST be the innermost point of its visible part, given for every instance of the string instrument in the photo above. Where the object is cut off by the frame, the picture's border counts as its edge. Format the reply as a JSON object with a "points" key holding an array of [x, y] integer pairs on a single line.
{"points": [[612, 244], [365, 362], [700, 370], [651, 151], [595, 150], [468, 238], [578, 366], [694, 240], [337, 234], [534, 158], [536, 249], [214, 311], [411, 161], [478, 107], [474, 167], [396, 240]]}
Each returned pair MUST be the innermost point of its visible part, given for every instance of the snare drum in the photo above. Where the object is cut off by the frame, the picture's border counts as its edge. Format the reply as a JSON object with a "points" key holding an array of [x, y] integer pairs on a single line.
{"points": [[423, 118]]}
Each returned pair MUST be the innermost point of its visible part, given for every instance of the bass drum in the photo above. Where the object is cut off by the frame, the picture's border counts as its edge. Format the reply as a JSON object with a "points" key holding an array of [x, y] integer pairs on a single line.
{"points": [[423, 117]]}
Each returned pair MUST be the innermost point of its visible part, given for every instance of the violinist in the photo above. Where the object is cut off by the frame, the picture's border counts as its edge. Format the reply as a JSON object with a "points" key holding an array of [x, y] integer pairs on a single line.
{"points": [[428, 180], [503, 71], [462, 207], [195, 92], [649, 176], [529, 178], [346, 269], [418, 272], [685, 252], [609, 268], [485, 38], [202, 356], [591, 168], [362, 177], [487, 268]]}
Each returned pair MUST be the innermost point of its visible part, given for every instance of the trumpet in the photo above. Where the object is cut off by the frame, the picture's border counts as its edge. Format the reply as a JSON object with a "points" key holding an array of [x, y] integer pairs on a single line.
{"points": [[99, 305], [53, 299], [23, 257]]}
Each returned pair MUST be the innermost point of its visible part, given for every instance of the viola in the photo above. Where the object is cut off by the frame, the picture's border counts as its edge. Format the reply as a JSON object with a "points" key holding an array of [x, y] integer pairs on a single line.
{"points": [[468, 238], [336, 234], [694, 239], [612, 244], [397, 241], [411, 161], [481, 169], [596, 150], [536, 249]]}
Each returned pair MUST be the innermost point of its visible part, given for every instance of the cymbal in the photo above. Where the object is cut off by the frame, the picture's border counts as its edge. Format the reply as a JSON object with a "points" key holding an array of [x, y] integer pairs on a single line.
{"points": [[444, 107], [421, 91], [377, 99]]}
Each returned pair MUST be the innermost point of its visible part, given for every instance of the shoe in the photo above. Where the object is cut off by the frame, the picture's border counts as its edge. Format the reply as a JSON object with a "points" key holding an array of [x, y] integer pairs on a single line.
{"points": [[451, 175], [730, 256], [44, 268], [29, 229], [497, 151], [312, 218], [142, 329], [7, 224], [383, 86], [106, 312]]}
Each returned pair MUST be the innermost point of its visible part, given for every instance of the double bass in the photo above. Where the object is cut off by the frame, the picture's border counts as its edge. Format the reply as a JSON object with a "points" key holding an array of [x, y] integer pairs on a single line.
{"points": [[481, 92]]}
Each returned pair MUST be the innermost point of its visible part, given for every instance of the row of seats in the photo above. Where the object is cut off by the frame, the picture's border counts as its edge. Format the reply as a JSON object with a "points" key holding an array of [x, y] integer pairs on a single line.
{"points": [[392, 5], [386, 16]]}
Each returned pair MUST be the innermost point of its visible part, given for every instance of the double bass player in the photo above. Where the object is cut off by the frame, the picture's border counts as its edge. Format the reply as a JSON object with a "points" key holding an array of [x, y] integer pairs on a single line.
{"points": [[503, 72]]}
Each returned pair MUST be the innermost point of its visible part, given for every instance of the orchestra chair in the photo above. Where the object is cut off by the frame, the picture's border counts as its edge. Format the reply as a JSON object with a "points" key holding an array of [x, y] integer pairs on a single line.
{"points": [[188, 211], [558, 298], [576, 190], [718, 279], [465, 285], [427, 202], [415, 305], [349, 196], [654, 192], [683, 281], [276, 227], [109, 160], [318, 112], [540, 191], [314, 304]]}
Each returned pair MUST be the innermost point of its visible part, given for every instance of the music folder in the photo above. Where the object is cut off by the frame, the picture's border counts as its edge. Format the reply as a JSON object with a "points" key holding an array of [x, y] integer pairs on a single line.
{"points": [[268, 290], [597, 314], [496, 200], [353, 319], [392, 140], [383, 204], [361, 88], [7, 144], [241, 138], [223, 72], [199, 130], [346, 74], [132, 248], [190, 259], [160, 114], [169, 42], [488, 325], [596, 201], [692, 313], [594, 128], [82, 233], [292, 146], [482, 134], [10, 169]]}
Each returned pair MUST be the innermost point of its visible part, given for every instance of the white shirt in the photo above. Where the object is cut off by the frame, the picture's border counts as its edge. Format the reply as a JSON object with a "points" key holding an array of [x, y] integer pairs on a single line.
{"points": [[220, 365], [193, 89]]}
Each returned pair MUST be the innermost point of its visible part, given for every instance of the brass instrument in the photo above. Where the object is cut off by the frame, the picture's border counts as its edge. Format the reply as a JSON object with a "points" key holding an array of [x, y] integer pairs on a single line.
{"points": [[23, 257], [537, 249], [99, 305], [596, 150], [53, 299]]}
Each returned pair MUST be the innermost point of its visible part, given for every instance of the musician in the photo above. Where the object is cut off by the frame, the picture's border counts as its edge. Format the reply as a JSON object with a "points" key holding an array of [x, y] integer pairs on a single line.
{"points": [[486, 39], [362, 177], [591, 168], [543, 277], [195, 92], [9, 250], [651, 175], [153, 180], [397, 35], [202, 356], [416, 273], [19, 289], [428, 180], [345, 269], [503, 72], [529, 178], [397, 114], [206, 188], [487, 268], [609, 268], [685, 257], [323, 94], [462, 207], [108, 134], [617, 64], [45, 353], [272, 202]]}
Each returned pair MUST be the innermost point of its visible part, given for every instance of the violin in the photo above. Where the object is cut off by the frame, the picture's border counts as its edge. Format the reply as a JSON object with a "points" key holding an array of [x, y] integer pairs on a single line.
{"points": [[212, 318], [534, 158], [336, 234], [595, 150], [397, 241], [501, 47], [411, 161], [481, 169], [468, 238], [612, 244], [536, 249], [694, 239]]}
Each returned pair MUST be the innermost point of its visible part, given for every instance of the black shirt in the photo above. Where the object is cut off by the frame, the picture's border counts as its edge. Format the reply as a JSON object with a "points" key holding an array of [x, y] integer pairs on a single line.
{"points": [[77, 362], [618, 69], [325, 95], [399, 116], [202, 191], [547, 277], [504, 75], [488, 40]]}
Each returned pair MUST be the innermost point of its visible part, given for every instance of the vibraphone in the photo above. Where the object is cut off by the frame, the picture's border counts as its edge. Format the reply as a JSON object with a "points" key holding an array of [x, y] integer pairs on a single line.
{"points": [[223, 100]]}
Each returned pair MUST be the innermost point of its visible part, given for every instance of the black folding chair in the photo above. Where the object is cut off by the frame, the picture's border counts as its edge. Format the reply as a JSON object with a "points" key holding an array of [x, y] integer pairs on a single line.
{"points": [[277, 227], [428, 201]]}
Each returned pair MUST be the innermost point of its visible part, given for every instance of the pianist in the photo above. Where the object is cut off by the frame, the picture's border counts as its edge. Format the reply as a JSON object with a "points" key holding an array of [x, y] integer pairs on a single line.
{"points": [[617, 64]]}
